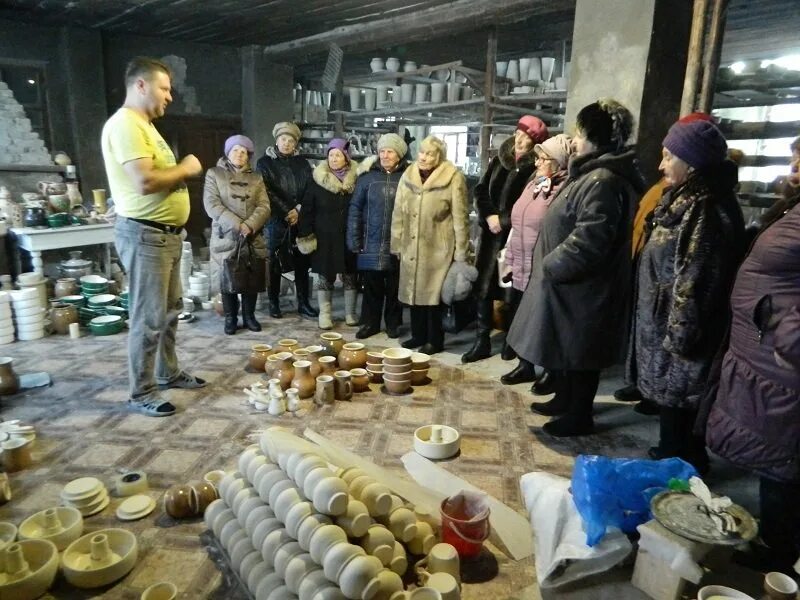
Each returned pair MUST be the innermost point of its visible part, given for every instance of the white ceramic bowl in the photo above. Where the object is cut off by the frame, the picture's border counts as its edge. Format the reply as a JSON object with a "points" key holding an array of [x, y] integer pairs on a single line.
{"points": [[82, 572], [69, 529], [24, 294], [24, 303], [30, 315], [30, 335], [451, 441], [29, 278], [8, 339], [93, 279], [710, 591]]}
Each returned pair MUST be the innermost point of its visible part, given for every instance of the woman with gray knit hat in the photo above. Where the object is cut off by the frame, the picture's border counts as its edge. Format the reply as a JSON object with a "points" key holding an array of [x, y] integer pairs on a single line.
{"points": [[572, 319], [236, 200], [286, 176], [369, 236], [685, 273]]}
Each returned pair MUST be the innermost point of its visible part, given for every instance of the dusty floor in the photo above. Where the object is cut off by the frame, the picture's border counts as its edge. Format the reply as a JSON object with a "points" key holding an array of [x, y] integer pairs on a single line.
{"points": [[84, 429]]}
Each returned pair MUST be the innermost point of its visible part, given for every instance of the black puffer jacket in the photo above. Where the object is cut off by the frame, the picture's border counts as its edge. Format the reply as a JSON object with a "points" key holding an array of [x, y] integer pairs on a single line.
{"points": [[286, 178], [369, 223], [683, 283], [495, 194], [574, 313]]}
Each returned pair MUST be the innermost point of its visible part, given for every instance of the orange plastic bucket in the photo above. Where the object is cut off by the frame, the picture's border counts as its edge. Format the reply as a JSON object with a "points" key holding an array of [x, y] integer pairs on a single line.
{"points": [[464, 528]]}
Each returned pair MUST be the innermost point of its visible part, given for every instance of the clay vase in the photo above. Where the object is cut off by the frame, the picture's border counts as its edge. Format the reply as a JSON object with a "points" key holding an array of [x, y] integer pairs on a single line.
{"points": [[314, 354], [271, 364], [303, 381], [9, 382], [332, 342], [62, 315], [353, 356], [258, 356], [66, 286], [327, 365], [284, 370]]}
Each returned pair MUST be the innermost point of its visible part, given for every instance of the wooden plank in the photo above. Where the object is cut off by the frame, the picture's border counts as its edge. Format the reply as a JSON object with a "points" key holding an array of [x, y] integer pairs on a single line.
{"points": [[694, 60], [765, 161], [741, 130], [488, 95], [32, 168], [712, 55]]}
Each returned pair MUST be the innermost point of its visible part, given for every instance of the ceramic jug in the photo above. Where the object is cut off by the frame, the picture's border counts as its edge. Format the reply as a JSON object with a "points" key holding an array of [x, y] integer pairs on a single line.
{"points": [[9, 382], [314, 354], [303, 381], [284, 371], [74, 194]]}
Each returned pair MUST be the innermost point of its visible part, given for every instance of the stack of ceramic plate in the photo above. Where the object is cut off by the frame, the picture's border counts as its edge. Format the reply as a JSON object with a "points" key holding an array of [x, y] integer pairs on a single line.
{"points": [[123, 300], [93, 285], [29, 315], [136, 507], [101, 300], [34, 281], [86, 314], [198, 286], [87, 494], [6, 323], [186, 264], [15, 429]]}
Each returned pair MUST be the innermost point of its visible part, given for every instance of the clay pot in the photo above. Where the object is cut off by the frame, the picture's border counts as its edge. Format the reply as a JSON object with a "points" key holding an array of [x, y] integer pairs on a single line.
{"points": [[180, 501], [314, 354], [332, 343], [284, 369], [62, 315], [205, 493], [352, 356], [303, 381], [9, 382], [327, 365], [258, 356], [66, 286], [360, 379]]}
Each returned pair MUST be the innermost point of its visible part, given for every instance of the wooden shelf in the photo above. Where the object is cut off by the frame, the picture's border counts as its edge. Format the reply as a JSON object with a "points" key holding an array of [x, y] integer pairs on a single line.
{"points": [[33, 168]]}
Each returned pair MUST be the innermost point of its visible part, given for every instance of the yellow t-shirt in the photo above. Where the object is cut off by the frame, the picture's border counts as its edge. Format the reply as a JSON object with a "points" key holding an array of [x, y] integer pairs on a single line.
{"points": [[128, 136]]}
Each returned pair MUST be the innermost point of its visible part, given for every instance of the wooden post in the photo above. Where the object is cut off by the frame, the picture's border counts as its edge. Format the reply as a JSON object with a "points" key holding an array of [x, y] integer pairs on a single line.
{"points": [[712, 55], [695, 58], [488, 97], [338, 127]]}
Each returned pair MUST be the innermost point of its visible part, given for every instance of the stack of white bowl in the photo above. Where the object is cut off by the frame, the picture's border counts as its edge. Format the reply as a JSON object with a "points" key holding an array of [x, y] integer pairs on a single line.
{"points": [[36, 281], [29, 314], [187, 259], [6, 324], [198, 286], [87, 494]]}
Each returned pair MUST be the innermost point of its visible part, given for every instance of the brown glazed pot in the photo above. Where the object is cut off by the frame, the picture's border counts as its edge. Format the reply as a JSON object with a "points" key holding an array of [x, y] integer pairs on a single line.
{"points": [[258, 356], [205, 493], [66, 286], [62, 315], [284, 369], [180, 501], [314, 353], [332, 343], [303, 381], [353, 356], [9, 382]]}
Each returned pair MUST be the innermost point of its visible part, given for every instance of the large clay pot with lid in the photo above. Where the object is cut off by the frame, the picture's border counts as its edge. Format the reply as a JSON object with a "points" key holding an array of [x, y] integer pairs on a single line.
{"points": [[62, 315], [258, 356], [332, 342], [66, 286], [9, 382], [303, 381], [352, 356], [284, 370]]}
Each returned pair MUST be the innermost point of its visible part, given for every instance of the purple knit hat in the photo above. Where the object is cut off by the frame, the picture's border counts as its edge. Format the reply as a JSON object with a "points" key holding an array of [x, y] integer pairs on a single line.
{"points": [[700, 144], [241, 140], [339, 144]]}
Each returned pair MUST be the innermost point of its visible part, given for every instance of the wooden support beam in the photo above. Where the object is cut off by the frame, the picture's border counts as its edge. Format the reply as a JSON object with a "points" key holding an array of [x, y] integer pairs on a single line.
{"points": [[766, 161], [456, 17], [716, 32], [761, 130], [695, 58], [488, 97]]}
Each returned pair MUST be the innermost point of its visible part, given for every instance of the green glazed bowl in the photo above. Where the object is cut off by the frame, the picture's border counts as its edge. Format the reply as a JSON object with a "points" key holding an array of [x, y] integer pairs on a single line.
{"points": [[76, 300], [106, 325], [58, 220], [116, 310]]}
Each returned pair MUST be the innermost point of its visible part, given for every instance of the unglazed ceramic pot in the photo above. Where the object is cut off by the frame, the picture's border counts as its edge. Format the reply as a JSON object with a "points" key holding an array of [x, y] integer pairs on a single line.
{"points": [[327, 365], [352, 356], [303, 380], [258, 356], [66, 286], [61, 316], [9, 381]]}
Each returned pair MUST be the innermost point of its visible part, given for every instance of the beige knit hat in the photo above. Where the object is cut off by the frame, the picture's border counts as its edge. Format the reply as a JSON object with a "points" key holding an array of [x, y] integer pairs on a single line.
{"points": [[393, 142], [287, 128], [557, 147]]}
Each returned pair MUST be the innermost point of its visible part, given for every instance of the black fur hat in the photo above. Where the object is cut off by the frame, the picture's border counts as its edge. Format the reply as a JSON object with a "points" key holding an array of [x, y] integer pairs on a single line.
{"points": [[606, 123]]}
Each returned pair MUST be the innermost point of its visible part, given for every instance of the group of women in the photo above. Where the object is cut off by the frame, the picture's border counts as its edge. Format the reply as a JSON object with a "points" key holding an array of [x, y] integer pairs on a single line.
{"points": [[717, 351]]}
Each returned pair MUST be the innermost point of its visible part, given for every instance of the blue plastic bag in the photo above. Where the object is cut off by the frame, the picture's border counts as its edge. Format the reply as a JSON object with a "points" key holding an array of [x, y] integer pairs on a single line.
{"points": [[616, 492]]}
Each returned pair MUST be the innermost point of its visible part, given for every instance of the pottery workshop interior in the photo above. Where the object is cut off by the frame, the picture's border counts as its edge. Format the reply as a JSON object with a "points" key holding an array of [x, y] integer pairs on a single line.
{"points": [[431, 300]]}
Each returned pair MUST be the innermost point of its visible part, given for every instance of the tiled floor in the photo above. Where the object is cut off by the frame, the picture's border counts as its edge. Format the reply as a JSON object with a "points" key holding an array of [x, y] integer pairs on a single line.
{"points": [[84, 429]]}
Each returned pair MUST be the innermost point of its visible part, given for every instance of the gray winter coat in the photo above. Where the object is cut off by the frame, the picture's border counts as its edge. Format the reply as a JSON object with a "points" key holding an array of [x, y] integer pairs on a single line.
{"points": [[574, 313], [755, 421], [230, 199], [684, 278]]}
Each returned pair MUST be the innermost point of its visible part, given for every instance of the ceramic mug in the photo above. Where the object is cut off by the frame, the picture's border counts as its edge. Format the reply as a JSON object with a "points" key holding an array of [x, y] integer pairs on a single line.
{"points": [[444, 583], [360, 379], [344, 385], [442, 558], [325, 393], [424, 593]]}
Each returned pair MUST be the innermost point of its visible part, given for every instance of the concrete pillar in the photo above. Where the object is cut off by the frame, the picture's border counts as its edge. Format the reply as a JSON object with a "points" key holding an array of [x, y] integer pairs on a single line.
{"points": [[267, 96], [81, 55], [635, 52]]}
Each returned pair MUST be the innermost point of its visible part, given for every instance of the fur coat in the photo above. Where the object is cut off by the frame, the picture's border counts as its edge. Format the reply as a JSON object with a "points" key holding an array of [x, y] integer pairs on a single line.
{"points": [[684, 277], [495, 194], [430, 229], [324, 214]]}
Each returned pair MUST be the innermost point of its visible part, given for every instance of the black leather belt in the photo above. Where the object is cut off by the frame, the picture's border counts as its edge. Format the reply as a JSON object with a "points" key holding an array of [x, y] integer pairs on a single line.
{"points": [[160, 226]]}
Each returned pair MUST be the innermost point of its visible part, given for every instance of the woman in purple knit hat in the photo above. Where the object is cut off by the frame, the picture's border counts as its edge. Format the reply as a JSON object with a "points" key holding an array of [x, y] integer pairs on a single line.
{"points": [[322, 229]]}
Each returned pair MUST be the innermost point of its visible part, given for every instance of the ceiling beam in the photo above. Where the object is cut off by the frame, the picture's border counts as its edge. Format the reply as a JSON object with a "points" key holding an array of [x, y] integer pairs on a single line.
{"points": [[431, 23]]}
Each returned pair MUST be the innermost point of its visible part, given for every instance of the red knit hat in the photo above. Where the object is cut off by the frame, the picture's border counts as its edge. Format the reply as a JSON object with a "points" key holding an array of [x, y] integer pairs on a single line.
{"points": [[534, 128], [697, 116]]}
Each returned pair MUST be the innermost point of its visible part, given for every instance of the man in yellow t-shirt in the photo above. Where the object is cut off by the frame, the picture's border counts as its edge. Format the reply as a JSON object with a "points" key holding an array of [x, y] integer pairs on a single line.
{"points": [[152, 205]]}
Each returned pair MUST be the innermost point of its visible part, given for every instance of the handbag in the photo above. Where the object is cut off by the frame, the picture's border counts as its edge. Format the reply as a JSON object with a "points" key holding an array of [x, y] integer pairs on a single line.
{"points": [[284, 253], [243, 272]]}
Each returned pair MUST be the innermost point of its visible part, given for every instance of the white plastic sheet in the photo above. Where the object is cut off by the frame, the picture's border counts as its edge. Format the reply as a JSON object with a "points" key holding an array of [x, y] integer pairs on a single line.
{"points": [[562, 555]]}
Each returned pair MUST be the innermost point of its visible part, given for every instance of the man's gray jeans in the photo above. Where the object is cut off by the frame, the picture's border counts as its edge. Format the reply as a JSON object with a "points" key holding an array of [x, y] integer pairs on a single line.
{"points": [[152, 261]]}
